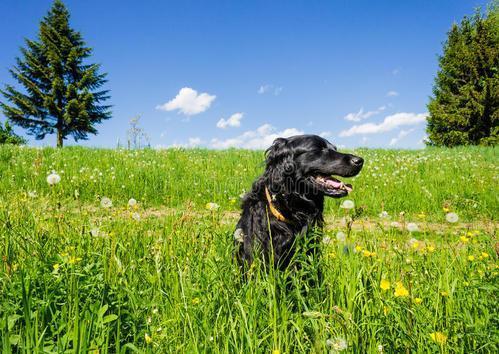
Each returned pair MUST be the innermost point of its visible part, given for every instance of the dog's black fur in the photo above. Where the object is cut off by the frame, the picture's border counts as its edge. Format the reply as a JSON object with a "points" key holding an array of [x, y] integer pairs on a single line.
{"points": [[291, 165]]}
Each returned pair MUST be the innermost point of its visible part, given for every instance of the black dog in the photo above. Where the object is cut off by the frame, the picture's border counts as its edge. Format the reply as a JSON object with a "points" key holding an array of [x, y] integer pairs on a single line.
{"points": [[288, 199]]}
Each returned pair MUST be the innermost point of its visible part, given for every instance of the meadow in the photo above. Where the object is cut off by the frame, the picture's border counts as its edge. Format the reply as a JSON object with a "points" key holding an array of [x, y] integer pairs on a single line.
{"points": [[131, 251]]}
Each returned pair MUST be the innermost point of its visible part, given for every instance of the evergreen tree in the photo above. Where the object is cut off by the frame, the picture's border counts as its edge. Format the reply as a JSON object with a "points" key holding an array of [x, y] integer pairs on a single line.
{"points": [[464, 108], [7, 135], [60, 90]]}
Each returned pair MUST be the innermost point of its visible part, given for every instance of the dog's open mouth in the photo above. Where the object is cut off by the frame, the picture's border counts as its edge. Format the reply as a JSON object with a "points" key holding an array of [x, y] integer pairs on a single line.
{"points": [[332, 186]]}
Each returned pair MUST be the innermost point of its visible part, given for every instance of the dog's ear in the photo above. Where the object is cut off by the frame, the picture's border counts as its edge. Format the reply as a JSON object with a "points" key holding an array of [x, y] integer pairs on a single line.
{"points": [[280, 166], [277, 152]]}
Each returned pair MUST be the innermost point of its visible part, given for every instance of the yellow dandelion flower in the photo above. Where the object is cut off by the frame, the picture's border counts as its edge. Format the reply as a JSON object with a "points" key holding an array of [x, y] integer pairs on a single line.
{"points": [[400, 290], [148, 338], [384, 285], [367, 253], [358, 248], [74, 260], [446, 209], [464, 239], [418, 300], [444, 293], [386, 310], [438, 337], [485, 255], [56, 266], [430, 248], [471, 258], [276, 351]]}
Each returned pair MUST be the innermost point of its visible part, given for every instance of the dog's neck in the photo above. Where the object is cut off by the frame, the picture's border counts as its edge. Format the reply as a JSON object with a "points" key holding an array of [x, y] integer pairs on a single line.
{"points": [[272, 207], [296, 208]]}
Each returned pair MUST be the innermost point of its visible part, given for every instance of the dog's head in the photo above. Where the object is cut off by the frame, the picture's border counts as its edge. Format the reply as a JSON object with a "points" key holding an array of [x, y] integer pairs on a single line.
{"points": [[307, 164]]}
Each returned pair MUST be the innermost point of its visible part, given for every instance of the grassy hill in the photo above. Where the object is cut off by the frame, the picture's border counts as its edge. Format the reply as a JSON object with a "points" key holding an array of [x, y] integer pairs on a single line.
{"points": [[83, 270]]}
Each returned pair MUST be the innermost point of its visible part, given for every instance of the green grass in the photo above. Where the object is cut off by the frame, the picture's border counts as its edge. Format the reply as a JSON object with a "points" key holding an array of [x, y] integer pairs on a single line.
{"points": [[77, 277]]}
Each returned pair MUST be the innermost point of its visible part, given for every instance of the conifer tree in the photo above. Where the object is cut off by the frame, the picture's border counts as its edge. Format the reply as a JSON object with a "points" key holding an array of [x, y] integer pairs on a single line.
{"points": [[464, 108], [60, 90], [7, 135]]}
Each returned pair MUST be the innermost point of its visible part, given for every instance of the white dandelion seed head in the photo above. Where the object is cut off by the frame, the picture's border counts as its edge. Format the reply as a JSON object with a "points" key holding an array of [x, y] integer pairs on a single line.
{"points": [[347, 204], [337, 344], [132, 202], [239, 235], [95, 232], [384, 215], [395, 224], [136, 216], [32, 194], [105, 202], [53, 178], [341, 236], [412, 227], [326, 240], [212, 206], [451, 217]]}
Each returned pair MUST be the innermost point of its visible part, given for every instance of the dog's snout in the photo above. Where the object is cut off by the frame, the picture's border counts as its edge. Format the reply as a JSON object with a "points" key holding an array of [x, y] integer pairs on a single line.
{"points": [[357, 161]]}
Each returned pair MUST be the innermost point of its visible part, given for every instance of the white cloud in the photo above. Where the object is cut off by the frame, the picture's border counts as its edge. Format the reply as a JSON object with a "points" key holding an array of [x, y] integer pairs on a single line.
{"points": [[233, 121], [389, 123], [192, 143], [356, 117], [276, 90], [188, 102], [263, 89], [403, 133], [392, 94], [326, 134], [261, 138], [395, 71]]}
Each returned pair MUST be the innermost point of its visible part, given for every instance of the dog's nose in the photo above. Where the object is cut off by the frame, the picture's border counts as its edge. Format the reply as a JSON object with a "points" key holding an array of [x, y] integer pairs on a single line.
{"points": [[357, 161]]}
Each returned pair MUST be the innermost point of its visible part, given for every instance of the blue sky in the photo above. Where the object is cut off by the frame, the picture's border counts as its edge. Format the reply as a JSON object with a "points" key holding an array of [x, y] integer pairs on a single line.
{"points": [[239, 73]]}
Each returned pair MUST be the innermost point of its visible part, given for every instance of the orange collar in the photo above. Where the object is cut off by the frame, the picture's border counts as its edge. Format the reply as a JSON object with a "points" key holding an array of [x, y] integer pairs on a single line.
{"points": [[273, 209]]}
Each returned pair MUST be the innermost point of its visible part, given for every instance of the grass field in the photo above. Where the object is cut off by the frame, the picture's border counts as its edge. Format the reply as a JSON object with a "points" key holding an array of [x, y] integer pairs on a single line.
{"points": [[82, 271]]}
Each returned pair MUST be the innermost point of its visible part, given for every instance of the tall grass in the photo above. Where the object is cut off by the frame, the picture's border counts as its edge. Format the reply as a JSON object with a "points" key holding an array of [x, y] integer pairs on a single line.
{"points": [[159, 277]]}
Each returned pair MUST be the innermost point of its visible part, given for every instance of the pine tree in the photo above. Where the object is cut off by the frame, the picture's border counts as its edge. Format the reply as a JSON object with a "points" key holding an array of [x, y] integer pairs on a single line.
{"points": [[464, 108], [7, 135], [60, 89]]}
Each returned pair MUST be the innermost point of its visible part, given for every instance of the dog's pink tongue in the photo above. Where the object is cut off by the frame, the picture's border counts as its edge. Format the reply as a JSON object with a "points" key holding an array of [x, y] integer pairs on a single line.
{"points": [[333, 183]]}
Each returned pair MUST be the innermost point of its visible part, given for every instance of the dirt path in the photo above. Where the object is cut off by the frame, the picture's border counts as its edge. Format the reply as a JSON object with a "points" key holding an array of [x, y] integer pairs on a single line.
{"points": [[331, 221]]}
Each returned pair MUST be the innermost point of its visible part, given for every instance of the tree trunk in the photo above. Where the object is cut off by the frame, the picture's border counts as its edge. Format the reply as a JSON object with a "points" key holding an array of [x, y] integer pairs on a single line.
{"points": [[60, 138]]}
